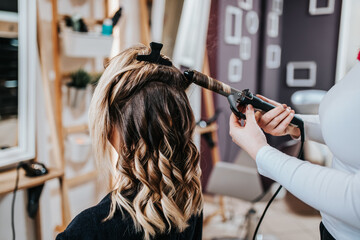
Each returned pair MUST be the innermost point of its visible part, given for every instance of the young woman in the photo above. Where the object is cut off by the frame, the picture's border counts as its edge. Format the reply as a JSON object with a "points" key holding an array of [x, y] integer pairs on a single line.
{"points": [[141, 110], [334, 191]]}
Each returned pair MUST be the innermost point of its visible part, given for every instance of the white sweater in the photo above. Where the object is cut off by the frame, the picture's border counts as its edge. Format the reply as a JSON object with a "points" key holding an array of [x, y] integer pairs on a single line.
{"points": [[334, 191]]}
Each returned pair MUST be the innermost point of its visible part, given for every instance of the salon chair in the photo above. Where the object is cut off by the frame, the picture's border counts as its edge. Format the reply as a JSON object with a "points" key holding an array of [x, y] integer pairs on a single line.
{"points": [[307, 102], [241, 180]]}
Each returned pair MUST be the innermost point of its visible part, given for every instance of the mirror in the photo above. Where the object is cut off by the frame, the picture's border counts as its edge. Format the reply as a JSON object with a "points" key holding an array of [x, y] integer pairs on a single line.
{"points": [[8, 74], [17, 80]]}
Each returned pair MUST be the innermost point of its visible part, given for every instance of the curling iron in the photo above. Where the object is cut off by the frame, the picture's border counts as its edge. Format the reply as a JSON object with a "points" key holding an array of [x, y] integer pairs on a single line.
{"points": [[235, 97]]}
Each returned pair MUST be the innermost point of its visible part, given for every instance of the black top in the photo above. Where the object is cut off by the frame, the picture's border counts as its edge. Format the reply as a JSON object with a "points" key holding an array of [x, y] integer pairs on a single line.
{"points": [[89, 225]]}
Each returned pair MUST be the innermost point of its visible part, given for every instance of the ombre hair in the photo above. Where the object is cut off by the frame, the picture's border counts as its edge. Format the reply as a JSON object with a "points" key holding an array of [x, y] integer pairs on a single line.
{"points": [[156, 175]]}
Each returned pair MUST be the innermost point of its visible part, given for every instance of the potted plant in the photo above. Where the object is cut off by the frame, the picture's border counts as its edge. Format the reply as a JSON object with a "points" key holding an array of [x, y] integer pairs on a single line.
{"points": [[94, 81], [77, 90]]}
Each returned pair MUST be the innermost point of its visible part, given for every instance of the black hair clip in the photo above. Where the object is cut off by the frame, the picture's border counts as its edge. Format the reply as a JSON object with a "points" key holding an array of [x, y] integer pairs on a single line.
{"points": [[154, 56]]}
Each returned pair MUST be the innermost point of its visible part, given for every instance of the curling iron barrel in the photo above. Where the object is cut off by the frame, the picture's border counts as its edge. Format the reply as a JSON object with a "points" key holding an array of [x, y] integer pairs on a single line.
{"points": [[235, 97], [209, 83]]}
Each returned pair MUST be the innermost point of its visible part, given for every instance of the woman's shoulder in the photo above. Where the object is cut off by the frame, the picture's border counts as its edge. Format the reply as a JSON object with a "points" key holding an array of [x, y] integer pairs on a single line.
{"points": [[90, 224]]}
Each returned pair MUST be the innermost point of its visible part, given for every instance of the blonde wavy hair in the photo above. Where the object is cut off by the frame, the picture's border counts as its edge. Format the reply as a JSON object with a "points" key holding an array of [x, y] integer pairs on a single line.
{"points": [[156, 177]]}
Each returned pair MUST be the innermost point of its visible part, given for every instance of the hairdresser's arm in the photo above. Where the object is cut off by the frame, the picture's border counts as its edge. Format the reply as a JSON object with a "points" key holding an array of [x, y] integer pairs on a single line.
{"points": [[276, 122], [312, 128], [331, 191]]}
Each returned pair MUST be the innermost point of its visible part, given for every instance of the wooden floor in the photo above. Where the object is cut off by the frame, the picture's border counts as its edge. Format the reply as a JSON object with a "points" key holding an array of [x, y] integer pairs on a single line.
{"points": [[282, 222]]}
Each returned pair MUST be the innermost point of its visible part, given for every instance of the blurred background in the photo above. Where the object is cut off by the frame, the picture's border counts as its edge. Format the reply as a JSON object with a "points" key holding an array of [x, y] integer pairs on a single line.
{"points": [[52, 53]]}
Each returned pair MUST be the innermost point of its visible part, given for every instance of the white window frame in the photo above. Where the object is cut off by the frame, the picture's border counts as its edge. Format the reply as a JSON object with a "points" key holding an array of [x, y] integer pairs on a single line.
{"points": [[292, 66], [277, 6], [252, 22], [273, 24], [273, 56], [245, 4], [235, 70], [229, 13], [245, 48], [314, 10], [25, 150]]}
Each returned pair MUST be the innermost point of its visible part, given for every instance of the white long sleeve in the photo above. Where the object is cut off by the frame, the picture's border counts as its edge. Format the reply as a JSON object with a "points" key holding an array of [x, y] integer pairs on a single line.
{"points": [[334, 191], [312, 128]]}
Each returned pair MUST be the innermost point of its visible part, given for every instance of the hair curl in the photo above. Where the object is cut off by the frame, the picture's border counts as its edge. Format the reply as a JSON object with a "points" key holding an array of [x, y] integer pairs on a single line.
{"points": [[156, 176]]}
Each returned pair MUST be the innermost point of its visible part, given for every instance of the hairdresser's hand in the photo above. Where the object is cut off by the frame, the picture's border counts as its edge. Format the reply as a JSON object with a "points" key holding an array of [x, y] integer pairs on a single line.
{"points": [[248, 137], [276, 121]]}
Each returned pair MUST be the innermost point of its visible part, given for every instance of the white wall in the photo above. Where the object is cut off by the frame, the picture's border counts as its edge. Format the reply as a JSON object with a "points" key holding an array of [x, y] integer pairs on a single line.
{"points": [[349, 38], [24, 226]]}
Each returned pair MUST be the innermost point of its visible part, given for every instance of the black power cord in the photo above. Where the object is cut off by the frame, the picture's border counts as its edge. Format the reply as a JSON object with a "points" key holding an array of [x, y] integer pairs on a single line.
{"points": [[13, 200], [34, 169], [302, 134]]}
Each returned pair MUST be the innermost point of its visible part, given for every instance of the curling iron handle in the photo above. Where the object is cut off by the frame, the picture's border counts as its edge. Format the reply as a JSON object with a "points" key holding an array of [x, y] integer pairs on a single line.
{"points": [[265, 106]]}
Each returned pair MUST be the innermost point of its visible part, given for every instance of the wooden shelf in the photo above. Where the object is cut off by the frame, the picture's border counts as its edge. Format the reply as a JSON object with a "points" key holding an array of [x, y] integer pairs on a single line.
{"points": [[209, 129], [76, 129], [8, 178], [81, 179]]}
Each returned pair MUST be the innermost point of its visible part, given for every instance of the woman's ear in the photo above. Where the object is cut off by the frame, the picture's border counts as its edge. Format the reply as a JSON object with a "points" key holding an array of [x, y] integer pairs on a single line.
{"points": [[115, 139]]}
